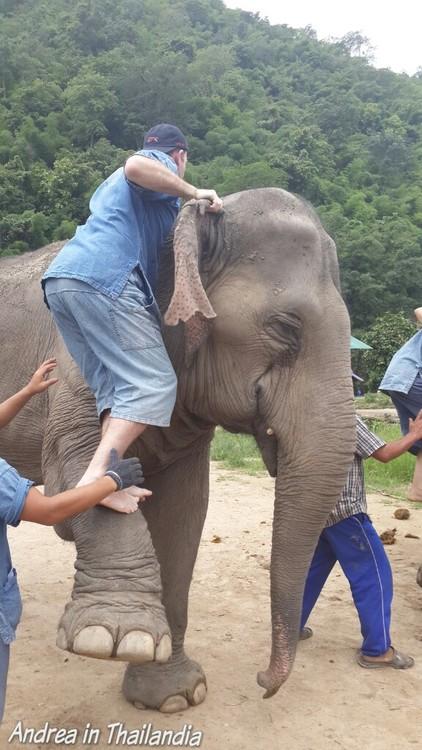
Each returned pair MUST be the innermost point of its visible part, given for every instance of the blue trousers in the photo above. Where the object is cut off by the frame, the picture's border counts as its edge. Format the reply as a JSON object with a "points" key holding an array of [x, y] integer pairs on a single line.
{"points": [[355, 544]]}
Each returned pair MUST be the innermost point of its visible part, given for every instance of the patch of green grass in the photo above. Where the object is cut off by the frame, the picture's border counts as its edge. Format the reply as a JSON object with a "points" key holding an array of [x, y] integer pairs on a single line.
{"points": [[374, 401], [241, 453], [236, 452]]}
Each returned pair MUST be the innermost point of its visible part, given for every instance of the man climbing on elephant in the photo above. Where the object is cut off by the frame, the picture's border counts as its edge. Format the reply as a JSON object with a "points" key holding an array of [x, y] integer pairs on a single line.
{"points": [[280, 334], [100, 289]]}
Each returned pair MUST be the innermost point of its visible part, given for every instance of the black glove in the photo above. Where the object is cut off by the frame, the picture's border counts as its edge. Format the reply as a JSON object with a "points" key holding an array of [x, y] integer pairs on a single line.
{"points": [[126, 472]]}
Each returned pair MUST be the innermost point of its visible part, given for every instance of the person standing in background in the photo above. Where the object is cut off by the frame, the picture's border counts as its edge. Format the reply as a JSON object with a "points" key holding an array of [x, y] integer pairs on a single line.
{"points": [[403, 383]]}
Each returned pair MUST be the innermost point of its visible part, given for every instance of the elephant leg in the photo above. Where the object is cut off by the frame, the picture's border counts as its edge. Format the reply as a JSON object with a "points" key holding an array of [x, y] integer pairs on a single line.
{"points": [[175, 518], [116, 609]]}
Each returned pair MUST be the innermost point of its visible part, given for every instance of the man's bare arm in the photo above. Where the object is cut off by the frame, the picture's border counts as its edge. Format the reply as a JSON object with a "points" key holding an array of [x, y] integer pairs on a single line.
{"points": [[152, 175]]}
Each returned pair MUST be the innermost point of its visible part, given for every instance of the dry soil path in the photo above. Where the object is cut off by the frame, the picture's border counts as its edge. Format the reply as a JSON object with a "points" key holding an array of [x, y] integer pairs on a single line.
{"points": [[328, 702]]}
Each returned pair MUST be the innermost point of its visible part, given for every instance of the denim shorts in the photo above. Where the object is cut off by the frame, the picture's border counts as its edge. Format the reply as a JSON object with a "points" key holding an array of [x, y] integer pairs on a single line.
{"points": [[118, 347]]}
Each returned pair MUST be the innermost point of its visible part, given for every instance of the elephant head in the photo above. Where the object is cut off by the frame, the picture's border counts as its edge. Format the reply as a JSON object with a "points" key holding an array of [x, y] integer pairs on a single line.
{"points": [[274, 362]]}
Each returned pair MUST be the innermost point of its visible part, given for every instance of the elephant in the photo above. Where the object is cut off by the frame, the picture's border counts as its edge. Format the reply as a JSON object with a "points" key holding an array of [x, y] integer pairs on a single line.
{"points": [[273, 363]]}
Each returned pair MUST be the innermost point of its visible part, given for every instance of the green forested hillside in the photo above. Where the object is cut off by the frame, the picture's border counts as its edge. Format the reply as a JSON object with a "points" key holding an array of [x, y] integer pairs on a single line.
{"points": [[262, 105]]}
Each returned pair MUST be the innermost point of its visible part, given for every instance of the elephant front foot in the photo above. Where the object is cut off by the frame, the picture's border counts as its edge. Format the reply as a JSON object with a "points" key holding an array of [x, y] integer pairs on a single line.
{"points": [[170, 687], [127, 626]]}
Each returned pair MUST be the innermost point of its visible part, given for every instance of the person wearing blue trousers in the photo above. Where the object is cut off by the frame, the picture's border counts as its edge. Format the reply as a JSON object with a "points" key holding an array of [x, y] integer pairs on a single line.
{"points": [[350, 539], [20, 501]]}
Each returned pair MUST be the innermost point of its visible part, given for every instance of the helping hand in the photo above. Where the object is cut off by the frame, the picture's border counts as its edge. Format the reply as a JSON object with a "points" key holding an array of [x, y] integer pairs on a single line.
{"points": [[40, 380], [415, 426], [126, 472]]}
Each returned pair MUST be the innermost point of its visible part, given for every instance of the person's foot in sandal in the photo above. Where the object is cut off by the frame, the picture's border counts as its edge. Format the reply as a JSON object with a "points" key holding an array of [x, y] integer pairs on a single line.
{"points": [[391, 658], [305, 633]]}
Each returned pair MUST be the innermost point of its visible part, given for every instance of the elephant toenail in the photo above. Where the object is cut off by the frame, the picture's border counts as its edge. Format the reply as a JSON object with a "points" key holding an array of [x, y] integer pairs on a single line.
{"points": [[173, 704], [61, 640], [95, 641], [136, 647], [163, 651], [199, 694]]}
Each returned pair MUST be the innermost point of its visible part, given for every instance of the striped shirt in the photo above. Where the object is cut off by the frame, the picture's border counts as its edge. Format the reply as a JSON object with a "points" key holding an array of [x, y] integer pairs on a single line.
{"points": [[353, 497]]}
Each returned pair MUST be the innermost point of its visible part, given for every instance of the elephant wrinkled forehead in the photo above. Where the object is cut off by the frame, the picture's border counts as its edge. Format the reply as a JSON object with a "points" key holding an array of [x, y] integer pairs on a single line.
{"points": [[272, 210], [264, 200], [269, 235]]}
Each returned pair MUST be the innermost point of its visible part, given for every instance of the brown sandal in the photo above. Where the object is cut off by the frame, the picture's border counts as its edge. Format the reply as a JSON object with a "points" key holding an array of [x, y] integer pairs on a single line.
{"points": [[398, 661], [306, 633]]}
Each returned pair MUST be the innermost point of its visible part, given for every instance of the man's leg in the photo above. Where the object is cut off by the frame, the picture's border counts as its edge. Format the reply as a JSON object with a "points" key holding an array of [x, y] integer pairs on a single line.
{"points": [[322, 564], [414, 491], [118, 434], [124, 337], [101, 385], [362, 557], [143, 377]]}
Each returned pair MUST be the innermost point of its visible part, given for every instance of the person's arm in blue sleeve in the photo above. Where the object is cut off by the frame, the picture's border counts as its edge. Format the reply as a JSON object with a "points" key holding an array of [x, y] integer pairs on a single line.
{"points": [[152, 175]]}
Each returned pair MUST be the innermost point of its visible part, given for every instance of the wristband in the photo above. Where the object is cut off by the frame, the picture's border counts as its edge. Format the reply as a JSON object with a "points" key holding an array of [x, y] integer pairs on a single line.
{"points": [[115, 477]]}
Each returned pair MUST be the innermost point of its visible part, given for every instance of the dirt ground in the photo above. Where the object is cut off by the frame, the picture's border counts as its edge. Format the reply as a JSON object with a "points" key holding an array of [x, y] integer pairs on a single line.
{"points": [[328, 702]]}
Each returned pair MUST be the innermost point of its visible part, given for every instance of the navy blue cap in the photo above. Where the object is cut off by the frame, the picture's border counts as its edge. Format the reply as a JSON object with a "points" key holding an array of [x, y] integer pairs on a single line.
{"points": [[165, 137]]}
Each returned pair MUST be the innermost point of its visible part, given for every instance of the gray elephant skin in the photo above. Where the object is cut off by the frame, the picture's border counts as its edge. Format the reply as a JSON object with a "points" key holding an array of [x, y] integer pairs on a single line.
{"points": [[275, 364]]}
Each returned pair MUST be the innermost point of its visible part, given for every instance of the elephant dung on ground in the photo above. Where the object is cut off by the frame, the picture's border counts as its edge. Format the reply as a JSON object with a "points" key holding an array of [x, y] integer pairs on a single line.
{"points": [[274, 363]]}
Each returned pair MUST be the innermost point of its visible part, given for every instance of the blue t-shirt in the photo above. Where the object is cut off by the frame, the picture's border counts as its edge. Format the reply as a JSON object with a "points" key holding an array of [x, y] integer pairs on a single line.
{"points": [[13, 492], [126, 230], [404, 367]]}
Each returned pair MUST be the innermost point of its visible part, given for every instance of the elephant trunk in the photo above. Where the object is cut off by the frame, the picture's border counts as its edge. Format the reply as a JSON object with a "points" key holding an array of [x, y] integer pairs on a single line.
{"points": [[312, 465], [289, 563]]}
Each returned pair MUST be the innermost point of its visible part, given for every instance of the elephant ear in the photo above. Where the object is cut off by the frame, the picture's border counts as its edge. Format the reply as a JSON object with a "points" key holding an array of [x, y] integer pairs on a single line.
{"points": [[189, 302]]}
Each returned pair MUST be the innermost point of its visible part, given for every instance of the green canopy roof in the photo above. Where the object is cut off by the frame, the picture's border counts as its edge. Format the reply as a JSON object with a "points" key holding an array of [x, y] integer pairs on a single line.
{"points": [[356, 344]]}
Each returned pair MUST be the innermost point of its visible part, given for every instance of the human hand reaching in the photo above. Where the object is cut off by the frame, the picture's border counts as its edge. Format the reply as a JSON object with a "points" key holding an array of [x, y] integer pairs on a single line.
{"points": [[126, 472], [415, 426], [40, 380]]}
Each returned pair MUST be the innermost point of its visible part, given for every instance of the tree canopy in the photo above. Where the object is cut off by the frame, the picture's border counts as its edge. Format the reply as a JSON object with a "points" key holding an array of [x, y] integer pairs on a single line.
{"points": [[262, 105]]}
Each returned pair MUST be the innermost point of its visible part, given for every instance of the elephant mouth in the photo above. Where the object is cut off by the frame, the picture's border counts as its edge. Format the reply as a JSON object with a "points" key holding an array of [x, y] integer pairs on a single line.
{"points": [[267, 443], [266, 440]]}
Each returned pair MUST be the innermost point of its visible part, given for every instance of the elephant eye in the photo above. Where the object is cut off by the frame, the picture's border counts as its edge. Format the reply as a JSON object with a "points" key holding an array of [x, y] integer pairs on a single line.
{"points": [[284, 332]]}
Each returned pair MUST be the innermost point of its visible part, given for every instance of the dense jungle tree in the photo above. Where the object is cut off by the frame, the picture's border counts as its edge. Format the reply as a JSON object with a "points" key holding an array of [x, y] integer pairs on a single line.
{"points": [[262, 105]]}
